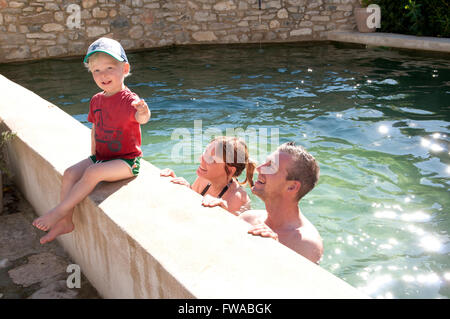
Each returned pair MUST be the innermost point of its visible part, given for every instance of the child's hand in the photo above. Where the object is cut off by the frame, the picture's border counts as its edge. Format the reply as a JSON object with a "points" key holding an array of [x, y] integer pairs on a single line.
{"points": [[142, 111], [140, 106]]}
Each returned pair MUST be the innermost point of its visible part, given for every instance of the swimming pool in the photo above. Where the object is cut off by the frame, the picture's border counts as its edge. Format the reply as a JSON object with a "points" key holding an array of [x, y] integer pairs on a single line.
{"points": [[377, 120]]}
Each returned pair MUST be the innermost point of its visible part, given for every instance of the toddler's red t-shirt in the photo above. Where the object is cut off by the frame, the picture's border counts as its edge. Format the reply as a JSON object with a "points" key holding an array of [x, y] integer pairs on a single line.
{"points": [[117, 133]]}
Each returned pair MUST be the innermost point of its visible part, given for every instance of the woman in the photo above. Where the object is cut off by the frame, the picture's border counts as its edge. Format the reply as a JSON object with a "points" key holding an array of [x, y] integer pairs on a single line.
{"points": [[223, 160]]}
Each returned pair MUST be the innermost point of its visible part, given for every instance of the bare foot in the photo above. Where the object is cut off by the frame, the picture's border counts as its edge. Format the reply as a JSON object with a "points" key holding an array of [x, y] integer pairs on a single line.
{"points": [[47, 221], [60, 228]]}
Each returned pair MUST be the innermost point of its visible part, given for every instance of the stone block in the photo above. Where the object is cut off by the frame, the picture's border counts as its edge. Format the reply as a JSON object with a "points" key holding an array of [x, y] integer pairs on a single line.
{"points": [[39, 18], [152, 6], [282, 14], [268, 16], [306, 24], [331, 8], [53, 27], [270, 36], [137, 3], [17, 237], [41, 36], [182, 37], [296, 3], [297, 16], [85, 14], [272, 4], [257, 37], [342, 21], [232, 38], [204, 16], [112, 13], [274, 24], [337, 15], [136, 32], [99, 13], [23, 29], [243, 24], [76, 47], [120, 22], [57, 50], [261, 27], [55, 290], [331, 26], [219, 26], [16, 4], [243, 38], [88, 3], [41, 43], [11, 38], [125, 10], [193, 27], [344, 7], [59, 16], [165, 42], [94, 32], [319, 28], [204, 36], [320, 18], [283, 35], [62, 39], [192, 5], [39, 268], [314, 4], [300, 32], [243, 5], [225, 6], [52, 7]]}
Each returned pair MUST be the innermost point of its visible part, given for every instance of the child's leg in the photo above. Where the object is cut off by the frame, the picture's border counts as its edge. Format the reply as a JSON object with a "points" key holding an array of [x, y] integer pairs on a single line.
{"points": [[71, 176], [109, 171]]}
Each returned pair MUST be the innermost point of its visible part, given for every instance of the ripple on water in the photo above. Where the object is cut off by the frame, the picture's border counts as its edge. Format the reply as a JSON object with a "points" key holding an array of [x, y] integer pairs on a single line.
{"points": [[387, 81]]}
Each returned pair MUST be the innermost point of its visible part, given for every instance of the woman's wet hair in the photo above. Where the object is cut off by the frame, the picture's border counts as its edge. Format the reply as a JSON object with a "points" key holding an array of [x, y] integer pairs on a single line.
{"points": [[234, 153]]}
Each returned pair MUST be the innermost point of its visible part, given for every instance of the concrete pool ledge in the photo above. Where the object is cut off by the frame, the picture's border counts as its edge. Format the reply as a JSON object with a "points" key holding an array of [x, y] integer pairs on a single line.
{"points": [[392, 40], [146, 237]]}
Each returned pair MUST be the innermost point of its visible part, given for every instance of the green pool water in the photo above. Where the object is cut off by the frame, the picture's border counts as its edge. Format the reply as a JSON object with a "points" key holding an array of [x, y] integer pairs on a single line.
{"points": [[377, 120]]}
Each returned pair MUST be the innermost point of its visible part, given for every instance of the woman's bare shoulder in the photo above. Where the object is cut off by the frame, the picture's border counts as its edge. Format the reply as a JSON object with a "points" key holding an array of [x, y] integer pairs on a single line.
{"points": [[199, 184]]}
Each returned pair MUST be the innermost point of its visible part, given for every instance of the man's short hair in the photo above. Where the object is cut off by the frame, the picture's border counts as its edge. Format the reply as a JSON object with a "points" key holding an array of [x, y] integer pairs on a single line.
{"points": [[304, 167]]}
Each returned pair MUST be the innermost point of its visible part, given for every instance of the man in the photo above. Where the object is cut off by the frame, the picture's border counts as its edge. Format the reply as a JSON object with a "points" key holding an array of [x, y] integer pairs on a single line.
{"points": [[288, 174]]}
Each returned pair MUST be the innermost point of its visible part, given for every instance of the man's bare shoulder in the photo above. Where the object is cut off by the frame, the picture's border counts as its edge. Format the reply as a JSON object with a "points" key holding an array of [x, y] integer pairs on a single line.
{"points": [[307, 241], [310, 232], [254, 216]]}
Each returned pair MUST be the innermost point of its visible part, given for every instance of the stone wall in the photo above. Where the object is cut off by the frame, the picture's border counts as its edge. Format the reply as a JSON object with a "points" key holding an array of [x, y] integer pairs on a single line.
{"points": [[33, 29]]}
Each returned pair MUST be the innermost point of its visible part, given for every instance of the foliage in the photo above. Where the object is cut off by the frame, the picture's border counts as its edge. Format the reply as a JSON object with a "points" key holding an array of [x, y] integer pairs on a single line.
{"points": [[415, 17], [4, 138]]}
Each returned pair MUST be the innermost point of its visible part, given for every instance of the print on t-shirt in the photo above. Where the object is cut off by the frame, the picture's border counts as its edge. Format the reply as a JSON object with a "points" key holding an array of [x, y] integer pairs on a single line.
{"points": [[111, 137]]}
